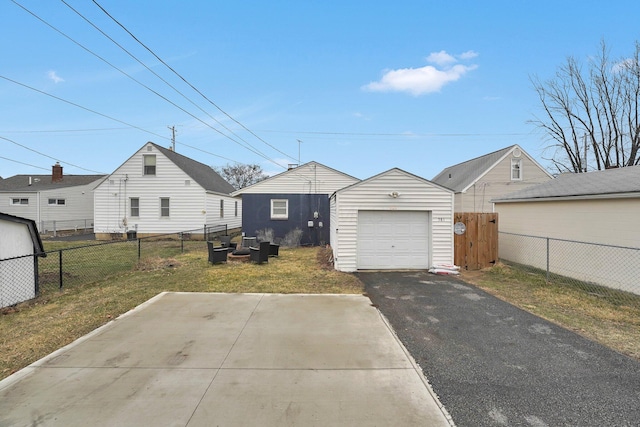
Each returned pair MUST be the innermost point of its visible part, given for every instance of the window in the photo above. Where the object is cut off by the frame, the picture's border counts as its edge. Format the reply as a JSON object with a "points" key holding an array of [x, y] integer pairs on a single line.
{"points": [[57, 202], [236, 208], [135, 206], [164, 207], [18, 201], [149, 164], [221, 208], [516, 169], [279, 209]]}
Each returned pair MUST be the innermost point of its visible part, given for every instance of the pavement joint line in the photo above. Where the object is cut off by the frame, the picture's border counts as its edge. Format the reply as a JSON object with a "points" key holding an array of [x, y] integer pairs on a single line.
{"points": [[418, 370], [38, 364], [225, 358]]}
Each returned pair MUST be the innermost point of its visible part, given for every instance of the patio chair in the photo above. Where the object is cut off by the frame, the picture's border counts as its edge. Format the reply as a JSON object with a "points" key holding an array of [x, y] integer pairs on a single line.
{"points": [[260, 254], [225, 242], [217, 254], [273, 249]]}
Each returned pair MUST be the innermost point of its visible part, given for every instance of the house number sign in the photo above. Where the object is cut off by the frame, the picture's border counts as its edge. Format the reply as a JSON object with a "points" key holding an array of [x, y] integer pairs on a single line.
{"points": [[459, 228]]}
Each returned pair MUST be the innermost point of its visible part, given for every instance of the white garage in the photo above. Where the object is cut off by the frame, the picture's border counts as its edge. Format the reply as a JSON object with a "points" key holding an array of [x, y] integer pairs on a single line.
{"points": [[392, 221]]}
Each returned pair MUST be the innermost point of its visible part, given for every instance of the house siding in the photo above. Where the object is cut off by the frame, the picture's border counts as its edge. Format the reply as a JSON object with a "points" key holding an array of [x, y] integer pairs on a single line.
{"points": [[230, 219], [373, 194], [497, 182], [606, 224], [311, 178], [187, 209], [257, 216]]}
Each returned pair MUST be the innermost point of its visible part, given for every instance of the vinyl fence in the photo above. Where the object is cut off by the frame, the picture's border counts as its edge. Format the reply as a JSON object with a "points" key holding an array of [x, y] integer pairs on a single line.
{"points": [[598, 268], [23, 278]]}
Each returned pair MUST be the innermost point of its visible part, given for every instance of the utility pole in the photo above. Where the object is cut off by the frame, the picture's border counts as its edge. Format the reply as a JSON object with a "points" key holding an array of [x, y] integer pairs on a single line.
{"points": [[299, 142], [173, 137]]}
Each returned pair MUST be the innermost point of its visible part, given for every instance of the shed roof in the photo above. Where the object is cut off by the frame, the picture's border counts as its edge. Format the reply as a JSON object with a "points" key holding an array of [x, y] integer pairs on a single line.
{"points": [[203, 174], [597, 184]]}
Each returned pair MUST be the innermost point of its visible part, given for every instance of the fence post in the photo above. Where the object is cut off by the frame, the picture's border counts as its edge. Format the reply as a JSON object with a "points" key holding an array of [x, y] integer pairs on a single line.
{"points": [[60, 268], [547, 259], [35, 266], [139, 247], [181, 243], [55, 233]]}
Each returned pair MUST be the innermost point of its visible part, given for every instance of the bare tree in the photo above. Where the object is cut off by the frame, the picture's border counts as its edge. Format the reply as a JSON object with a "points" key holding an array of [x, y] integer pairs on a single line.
{"points": [[241, 175], [591, 114]]}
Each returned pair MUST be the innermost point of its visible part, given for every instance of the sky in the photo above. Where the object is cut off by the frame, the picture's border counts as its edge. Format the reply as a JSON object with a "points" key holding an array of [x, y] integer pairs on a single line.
{"points": [[359, 86]]}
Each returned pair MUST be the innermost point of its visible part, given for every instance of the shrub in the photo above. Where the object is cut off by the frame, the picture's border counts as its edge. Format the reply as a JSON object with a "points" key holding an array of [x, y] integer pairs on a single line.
{"points": [[292, 239]]}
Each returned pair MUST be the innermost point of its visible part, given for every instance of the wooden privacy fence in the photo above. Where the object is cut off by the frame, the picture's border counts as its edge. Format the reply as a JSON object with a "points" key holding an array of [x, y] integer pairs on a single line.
{"points": [[475, 243]]}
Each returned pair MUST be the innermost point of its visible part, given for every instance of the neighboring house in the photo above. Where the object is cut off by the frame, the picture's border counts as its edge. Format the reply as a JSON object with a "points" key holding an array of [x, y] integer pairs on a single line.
{"points": [[55, 202], [477, 181], [158, 191], [600, 207], [295, 199], [394, 220], [20, 247]]}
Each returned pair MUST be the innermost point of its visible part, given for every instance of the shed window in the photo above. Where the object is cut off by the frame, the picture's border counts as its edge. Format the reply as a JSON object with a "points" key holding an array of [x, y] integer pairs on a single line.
{"points": [[279, 209], [516, 169], [149, 164], [57, 202], [236, 208], [18, 201], [164, 207], [135, 206], [221, 208]]}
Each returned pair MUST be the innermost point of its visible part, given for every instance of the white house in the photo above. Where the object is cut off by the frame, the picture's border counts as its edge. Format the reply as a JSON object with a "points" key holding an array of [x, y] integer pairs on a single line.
{"points": [[477, 181], [55, 202], [158, 191], [296, 198], [394, 220], [20, 247], [599, 208]]}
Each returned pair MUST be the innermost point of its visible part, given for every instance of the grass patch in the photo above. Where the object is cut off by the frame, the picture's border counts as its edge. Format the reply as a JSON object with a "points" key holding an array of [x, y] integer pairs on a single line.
{"points": [[31, 330], [613, 322]]}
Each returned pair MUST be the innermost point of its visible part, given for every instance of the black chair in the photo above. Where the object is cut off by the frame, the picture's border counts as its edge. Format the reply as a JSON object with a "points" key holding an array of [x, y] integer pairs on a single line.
{"points": [[259, 254], [273, 249], [217, 254], [225, 242]]}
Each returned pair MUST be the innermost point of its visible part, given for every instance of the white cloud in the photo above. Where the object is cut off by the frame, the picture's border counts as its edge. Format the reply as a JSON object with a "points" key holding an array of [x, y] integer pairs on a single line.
{"points": [[427, 79], [54, 77]]}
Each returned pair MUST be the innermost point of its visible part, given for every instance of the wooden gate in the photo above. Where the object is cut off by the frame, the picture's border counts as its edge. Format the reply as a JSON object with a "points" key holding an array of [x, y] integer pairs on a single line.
{"points": [[477, 246]]}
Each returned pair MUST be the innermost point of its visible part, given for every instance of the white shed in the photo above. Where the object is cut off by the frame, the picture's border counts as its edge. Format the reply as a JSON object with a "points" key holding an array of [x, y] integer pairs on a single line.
{"points": [[20, 246], [392, 221]]}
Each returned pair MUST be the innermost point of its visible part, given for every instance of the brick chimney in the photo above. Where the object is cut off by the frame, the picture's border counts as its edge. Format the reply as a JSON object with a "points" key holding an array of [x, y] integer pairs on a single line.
{"points": [[56, 172]]}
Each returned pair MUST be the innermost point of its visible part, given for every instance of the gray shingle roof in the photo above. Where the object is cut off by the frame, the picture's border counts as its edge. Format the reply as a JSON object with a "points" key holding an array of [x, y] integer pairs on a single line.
{"points": [[20, 183], [598, 183], [465, 173], [204, 175]]}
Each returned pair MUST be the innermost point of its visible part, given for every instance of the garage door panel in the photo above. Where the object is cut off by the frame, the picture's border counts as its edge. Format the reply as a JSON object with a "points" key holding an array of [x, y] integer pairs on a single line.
{"points": [[393, 240]]}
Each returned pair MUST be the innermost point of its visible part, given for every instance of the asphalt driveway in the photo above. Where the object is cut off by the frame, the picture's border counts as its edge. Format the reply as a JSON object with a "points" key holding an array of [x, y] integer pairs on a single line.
{"points": [[492, 364]]}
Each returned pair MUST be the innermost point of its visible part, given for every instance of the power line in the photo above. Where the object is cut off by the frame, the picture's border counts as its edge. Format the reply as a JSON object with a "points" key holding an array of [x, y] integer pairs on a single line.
{"points": [[187, 82], [252, 148], [45, 155], [23, 163]]}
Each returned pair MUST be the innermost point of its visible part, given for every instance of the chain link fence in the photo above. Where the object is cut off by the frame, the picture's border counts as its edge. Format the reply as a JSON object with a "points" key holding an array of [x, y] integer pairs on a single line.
{"points": [[606, 270], [23, 278]]}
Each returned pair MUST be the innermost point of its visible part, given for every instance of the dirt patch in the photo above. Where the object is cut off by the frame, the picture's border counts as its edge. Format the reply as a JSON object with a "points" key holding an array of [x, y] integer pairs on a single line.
{"points": [[157, 263]]}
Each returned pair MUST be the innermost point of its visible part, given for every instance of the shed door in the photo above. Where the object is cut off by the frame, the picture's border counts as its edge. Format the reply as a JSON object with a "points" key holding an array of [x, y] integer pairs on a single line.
{"points": [[390, 240]]}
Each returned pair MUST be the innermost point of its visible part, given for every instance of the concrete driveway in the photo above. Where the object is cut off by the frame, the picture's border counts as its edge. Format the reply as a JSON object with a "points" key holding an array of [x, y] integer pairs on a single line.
{"points": [[229, 360], [493, 364]]}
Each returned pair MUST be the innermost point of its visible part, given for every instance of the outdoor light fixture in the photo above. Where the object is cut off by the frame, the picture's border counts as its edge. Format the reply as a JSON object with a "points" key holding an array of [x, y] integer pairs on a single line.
{"points": [[394, 194]]}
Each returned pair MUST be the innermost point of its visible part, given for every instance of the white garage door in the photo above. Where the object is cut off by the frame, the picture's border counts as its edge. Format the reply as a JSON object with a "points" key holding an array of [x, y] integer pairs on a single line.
{"points": [[393, 240]]}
